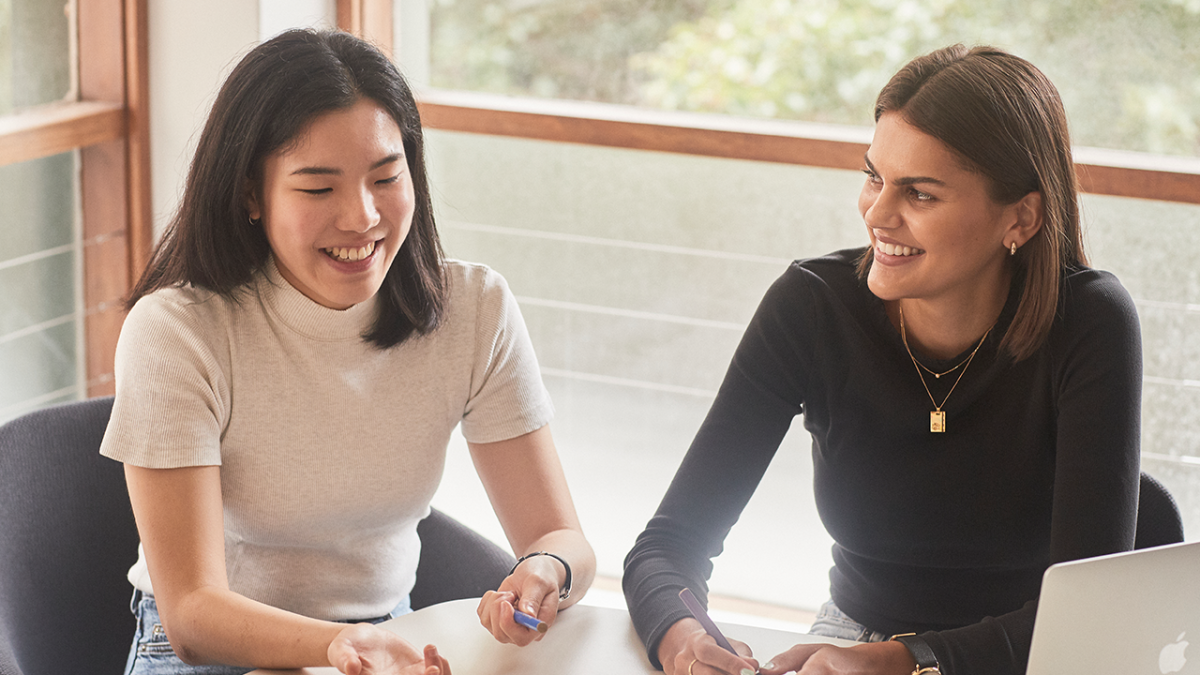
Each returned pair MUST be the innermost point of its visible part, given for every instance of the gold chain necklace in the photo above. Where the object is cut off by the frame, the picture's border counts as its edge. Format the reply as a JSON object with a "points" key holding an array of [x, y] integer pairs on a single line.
{"points": [[937, 417], [938, 376]]}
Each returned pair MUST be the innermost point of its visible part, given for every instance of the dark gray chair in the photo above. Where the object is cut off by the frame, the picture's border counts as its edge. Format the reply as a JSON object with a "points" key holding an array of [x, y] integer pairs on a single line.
{"points": [[1158, 519], [456, 562], [67, 539]]}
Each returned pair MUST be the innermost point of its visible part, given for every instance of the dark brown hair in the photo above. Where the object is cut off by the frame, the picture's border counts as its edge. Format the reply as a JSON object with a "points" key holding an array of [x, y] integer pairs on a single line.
{"points": [[1006, 121], [269, 99]]}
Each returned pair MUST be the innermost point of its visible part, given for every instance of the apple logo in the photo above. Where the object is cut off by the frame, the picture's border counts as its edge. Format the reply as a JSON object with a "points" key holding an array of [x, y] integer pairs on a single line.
{"points": [[1171, 659]]}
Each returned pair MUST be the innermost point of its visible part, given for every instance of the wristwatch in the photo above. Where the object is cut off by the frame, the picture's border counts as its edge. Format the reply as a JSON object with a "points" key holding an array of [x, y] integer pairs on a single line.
{"points": [[927, 663], [565, 591]]}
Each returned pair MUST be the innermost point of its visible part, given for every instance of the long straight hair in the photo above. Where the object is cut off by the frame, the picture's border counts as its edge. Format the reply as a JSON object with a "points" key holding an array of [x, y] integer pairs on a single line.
{"points": [[267, 102], [1006, 120]]}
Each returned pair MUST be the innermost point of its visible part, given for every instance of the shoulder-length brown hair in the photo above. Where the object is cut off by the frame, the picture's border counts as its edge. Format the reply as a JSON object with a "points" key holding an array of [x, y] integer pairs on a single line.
{"points": [[268, 100], [1006, 120]]}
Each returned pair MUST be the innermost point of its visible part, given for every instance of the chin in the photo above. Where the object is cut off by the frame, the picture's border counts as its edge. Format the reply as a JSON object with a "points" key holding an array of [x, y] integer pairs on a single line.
{"points": [[357, 298], [879, 288]]}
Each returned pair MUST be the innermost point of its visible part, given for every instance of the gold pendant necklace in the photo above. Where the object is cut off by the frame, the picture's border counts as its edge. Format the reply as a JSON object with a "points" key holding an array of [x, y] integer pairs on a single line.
{"points": [[938, 376], [937, 417]]}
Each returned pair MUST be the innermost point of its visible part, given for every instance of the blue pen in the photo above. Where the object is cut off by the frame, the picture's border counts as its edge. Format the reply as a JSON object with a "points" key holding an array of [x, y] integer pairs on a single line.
{"points": [[530, 622], [697, 611]]}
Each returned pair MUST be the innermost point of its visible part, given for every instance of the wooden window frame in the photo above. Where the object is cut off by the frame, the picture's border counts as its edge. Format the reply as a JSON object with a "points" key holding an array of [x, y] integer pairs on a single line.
{"points": [[109, 125], [1100, 171]]}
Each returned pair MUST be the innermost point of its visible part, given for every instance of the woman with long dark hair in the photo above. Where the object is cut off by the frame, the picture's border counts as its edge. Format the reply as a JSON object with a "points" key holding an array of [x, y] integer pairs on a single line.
{"points": [[972, 389], [296, 356]]}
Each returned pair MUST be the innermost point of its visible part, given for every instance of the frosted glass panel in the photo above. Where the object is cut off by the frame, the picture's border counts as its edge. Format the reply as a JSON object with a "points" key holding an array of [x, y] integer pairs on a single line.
{"points": [[636, 273], [36, 292], [1150, 246], [40, 316], [37, 205], [38, 368]]}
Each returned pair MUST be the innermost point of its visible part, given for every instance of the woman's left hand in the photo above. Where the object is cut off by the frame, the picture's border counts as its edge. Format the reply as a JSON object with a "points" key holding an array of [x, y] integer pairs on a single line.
{"points": [[365, 649], [533, 589], [875, 658]]}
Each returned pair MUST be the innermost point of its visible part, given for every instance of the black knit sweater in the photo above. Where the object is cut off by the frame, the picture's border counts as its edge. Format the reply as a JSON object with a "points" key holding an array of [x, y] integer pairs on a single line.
{"points": [[943, 534]]}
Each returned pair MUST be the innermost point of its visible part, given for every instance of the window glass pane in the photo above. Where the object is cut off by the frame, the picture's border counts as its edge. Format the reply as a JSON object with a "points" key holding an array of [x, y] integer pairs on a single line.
{"points": [[35, 64], [40, 314], [1146, 244], [1129, 72], [39, 368], [635, 305], [37, 205]]}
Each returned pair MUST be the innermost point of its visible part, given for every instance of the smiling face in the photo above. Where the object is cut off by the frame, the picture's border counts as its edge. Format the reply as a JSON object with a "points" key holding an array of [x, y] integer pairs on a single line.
{"points": [[337, 204], [937, 234]]}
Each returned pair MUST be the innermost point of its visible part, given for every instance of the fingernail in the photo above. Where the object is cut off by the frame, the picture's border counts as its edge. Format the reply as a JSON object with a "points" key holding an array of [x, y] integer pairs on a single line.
{"points": [[746, 671], [769, 665]]}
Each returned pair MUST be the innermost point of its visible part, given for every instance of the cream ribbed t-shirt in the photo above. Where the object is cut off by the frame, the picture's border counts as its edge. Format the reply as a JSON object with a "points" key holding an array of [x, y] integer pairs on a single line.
{"points": [[330, 449]]}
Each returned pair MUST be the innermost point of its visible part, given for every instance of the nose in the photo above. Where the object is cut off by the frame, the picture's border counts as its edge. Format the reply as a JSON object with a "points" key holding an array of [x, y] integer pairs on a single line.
{"points": [[879, 208], [360, 213]]}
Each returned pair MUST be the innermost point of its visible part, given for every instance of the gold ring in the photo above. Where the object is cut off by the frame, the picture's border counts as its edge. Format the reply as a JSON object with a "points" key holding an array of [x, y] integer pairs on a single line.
{"points": [[690, 666]]}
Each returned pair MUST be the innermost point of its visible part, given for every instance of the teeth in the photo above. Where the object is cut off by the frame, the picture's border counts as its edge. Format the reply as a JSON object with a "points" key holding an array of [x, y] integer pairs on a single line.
{"points": [[350, 254], [892, 249]]}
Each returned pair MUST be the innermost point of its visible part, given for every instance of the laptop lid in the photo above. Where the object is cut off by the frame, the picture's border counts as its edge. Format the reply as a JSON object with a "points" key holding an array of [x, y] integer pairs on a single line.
{"points": [[1134, 613]]}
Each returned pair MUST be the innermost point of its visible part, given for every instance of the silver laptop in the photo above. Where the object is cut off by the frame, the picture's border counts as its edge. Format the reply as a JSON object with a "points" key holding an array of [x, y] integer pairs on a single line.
{"points": [[1135, 613]]}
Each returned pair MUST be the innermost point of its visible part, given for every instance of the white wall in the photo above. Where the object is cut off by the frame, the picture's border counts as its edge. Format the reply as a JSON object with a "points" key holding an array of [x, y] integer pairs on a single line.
{"points": [[193, 46]]}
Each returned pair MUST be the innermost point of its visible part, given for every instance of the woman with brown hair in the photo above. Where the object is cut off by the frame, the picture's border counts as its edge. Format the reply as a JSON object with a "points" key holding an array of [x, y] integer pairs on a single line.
{"points": [[971, 386]]}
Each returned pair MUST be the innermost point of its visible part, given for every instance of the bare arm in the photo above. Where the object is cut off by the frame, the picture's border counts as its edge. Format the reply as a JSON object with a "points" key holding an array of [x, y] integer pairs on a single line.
{"points": [[525, 483], [181, 523]]}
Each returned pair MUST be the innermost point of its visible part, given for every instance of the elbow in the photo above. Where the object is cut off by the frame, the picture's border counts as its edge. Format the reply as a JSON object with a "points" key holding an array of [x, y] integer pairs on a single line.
{"points": [[186, 654], [583, 572], [184, 646], [184, 638]]}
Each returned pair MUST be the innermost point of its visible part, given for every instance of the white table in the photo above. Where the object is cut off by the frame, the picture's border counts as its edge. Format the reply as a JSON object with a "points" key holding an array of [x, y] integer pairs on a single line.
{"points": [[585, 640]]}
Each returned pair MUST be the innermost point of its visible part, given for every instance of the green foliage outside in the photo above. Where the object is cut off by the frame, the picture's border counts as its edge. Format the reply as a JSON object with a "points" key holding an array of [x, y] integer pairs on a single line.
{"points": [[1128, 70], [35, 64]]}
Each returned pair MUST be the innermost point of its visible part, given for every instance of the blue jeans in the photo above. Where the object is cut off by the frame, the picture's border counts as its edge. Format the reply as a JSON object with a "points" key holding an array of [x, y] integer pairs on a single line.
{"points": [[833, 623], [151, 653]]}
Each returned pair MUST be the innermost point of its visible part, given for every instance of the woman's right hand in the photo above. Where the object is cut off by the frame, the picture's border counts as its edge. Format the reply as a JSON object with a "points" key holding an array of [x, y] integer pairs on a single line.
{"points": [[686, 649], [365, 649]]}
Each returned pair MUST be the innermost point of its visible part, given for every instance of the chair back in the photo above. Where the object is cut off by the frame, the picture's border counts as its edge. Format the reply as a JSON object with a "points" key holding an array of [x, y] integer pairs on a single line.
{"points": [[1158, 520], [456, 562], [67, 539]]}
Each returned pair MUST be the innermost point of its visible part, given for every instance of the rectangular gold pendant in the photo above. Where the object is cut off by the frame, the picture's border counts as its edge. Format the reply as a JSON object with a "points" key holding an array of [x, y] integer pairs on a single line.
{"points": [[937, 421]]}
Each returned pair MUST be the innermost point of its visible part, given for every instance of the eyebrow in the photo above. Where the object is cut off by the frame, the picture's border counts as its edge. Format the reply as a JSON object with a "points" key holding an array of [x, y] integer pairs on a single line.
{"points": [[907, 180], [330, 171]]}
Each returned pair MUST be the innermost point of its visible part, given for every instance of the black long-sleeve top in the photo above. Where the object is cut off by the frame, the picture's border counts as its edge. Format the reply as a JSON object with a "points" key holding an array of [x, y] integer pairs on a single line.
{"points": [[942, 534]]}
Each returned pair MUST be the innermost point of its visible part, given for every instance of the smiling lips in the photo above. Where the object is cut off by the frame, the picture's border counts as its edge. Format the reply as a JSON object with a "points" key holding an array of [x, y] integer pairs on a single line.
{"points": [[893, 249], [350, 254]]}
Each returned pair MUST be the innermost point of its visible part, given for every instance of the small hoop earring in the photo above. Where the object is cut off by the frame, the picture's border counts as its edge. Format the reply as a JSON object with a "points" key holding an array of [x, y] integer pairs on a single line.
{"points": [[1013, 250], [256, 223]]}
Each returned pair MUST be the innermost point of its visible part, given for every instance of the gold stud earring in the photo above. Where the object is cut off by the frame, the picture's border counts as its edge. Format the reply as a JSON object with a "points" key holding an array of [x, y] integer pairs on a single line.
{"points": [[1013, 249]]}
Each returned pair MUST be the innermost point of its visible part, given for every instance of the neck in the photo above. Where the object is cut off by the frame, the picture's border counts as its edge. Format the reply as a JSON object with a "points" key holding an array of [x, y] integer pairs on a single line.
{"points": [[943, 330]]}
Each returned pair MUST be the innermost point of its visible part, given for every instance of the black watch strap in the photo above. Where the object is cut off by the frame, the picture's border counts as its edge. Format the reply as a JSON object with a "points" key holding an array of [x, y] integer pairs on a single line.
{"points": [[565, 591], [927, 663]]}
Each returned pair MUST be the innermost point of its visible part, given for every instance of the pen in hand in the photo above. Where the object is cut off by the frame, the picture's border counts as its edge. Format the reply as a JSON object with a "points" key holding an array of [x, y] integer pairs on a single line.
{"points": [[697, 611], [530, 622]]}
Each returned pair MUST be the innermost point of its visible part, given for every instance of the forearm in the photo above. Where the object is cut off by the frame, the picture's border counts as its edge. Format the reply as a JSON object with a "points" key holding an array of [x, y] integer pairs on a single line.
{"points": [[996, 645], [656, 569], [213, 625]]}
